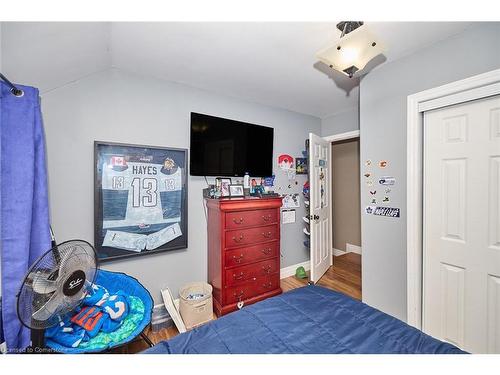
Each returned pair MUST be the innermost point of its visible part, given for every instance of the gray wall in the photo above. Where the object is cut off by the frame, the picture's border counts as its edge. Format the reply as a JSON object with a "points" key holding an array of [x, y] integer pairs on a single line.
{"points": [[346, 219], [341, 122], [383, 94], [121, 107]]}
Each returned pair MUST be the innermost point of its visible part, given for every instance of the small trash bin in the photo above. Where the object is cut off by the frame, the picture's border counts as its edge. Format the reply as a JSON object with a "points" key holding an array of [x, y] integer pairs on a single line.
{"points": [[195, 304]]}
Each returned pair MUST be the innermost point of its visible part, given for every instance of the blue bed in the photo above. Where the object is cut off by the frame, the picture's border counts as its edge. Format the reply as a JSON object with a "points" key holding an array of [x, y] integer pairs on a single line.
{"points": [[311, 319]]}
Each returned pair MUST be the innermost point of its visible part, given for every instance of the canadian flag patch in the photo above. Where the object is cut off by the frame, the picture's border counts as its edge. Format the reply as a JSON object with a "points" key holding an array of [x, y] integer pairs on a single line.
{"points": [[118, 161]]}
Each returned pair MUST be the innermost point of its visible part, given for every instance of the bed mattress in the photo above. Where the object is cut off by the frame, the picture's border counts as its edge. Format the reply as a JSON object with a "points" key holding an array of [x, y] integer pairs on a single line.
{"points": [[311, 319]]}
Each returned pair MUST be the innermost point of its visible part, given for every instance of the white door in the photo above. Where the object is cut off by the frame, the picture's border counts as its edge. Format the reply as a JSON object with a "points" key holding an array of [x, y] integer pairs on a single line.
{"points": [[320, 208], [461, 285]]}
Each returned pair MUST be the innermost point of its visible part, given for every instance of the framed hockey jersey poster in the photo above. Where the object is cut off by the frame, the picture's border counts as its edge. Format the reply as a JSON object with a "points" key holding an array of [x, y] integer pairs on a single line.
{"points": [[140, 200]]}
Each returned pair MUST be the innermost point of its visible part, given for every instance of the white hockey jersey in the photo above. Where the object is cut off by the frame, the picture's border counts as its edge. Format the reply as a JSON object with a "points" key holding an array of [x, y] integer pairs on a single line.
{"points": [[140, 194]]}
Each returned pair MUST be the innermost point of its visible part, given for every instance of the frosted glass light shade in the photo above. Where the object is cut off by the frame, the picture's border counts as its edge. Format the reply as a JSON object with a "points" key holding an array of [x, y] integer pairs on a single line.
{"points": [[352, 52]]}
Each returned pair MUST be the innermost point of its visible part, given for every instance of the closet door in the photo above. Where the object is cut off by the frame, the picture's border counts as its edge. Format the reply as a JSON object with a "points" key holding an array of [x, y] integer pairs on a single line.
{"points": [[461, 281]]}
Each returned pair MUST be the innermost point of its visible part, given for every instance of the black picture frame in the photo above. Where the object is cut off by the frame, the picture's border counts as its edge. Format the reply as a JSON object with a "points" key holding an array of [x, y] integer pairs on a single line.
{"points": [[239, 186], [139, 210]]}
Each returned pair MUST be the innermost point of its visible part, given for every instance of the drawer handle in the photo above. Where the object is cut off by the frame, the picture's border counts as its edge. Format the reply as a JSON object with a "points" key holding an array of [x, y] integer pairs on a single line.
{"points": [[238, 277], [267, 235], [238, 239], [266, 217], [238, 259], [266, 251], [267, 269], [268, 285], [239, 295], [238, 221]]}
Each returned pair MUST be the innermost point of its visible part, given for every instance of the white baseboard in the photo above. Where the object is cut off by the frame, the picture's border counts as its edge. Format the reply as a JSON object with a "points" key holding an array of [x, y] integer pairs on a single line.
{"points": [[290, 270], [338, 252], [350, 248], [160, 305]]}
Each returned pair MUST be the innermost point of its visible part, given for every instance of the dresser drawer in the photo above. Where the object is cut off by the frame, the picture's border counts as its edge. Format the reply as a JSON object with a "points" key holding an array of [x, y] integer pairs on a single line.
{"points": [[241, 274], [251, 236], [242, 219], [245, 255], [252, 288]]}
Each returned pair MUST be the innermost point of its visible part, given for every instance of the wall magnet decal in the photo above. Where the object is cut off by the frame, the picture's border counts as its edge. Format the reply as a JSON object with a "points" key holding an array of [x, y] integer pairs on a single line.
{"points": [[367, 175], [386, 199], [382, 163], [387, 211], [373, 192], [368, 163], [387, 180], [369, 183], [370, 209], [383, 211]]}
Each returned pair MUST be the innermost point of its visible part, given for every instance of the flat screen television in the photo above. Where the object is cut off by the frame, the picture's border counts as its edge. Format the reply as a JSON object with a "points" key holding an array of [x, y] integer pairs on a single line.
{"points": [[223, 147]]}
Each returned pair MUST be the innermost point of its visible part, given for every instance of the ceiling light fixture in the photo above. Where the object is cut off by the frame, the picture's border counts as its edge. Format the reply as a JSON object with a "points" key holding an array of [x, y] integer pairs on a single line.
{"points": [[356, 47]]}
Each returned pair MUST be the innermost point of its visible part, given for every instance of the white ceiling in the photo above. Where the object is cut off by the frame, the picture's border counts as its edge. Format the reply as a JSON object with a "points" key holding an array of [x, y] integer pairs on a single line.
{"points": [[267, 63]]}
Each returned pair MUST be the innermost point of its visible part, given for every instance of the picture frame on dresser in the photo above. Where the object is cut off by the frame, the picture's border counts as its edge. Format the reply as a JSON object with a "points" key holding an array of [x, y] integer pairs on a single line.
{"points": [[236, 190]]}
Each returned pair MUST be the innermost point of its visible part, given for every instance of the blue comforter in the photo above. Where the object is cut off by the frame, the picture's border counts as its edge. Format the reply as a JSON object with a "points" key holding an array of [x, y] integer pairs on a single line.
{"points": [[311, 319]]}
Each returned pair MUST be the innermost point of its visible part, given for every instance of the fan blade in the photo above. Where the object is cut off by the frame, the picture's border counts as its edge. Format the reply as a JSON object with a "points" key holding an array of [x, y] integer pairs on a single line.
{"points": [[45, 312], [71, 262], [41, 284]]}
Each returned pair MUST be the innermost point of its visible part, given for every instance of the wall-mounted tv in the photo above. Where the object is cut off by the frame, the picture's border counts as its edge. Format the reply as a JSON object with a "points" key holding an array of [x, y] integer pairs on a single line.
{"points": [[223, 147]]}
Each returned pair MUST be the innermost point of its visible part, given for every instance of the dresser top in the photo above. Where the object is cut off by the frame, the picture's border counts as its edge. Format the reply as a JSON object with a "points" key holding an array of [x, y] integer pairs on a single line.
{"points": [[244, 203]]}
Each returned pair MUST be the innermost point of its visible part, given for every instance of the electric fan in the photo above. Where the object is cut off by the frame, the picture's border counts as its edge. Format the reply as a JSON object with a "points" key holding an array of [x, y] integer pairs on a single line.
{"points": [[54, 286]]}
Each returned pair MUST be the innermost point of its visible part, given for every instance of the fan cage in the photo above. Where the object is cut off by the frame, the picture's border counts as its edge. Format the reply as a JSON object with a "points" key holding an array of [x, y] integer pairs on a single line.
{"points": [[29, 301]]}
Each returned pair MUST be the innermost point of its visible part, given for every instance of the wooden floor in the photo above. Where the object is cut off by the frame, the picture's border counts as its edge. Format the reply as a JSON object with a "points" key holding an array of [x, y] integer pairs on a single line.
{"points": [[344, 276]]}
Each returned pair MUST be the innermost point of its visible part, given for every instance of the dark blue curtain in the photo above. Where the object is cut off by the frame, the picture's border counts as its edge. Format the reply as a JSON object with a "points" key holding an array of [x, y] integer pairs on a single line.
{"points": [[24, 210]]}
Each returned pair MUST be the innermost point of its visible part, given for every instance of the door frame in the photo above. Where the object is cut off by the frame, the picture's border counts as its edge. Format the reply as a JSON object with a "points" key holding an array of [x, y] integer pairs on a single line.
{"points": [[473, 88], [341, 136], [335, 138]]}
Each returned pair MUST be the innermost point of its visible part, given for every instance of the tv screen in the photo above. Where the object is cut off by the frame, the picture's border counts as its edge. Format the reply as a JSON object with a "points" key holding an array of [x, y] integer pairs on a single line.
{"points": [[223, 147]]}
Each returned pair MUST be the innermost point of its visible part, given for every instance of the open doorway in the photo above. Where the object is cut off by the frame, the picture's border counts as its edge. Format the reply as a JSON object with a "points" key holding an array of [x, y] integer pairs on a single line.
{"points": [[346, 218], [345, 273]]}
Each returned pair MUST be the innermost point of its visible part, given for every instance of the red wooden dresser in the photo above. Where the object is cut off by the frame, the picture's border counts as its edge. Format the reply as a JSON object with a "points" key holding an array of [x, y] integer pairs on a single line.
{"points": [[243, 251]]}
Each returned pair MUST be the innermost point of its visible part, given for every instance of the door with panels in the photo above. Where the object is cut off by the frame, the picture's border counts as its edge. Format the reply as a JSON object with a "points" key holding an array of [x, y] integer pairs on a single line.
{"points": [[461, 264], [320, 208]]}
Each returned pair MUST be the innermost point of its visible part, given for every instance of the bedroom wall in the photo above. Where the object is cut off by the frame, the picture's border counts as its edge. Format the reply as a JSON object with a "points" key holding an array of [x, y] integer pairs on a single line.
{"points": [[120, 107], [340, 122], [383, 95]]}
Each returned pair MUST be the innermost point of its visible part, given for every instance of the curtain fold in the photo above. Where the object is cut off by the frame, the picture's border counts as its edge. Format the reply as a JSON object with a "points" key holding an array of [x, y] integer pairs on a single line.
{"points": [[24, 209]]}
